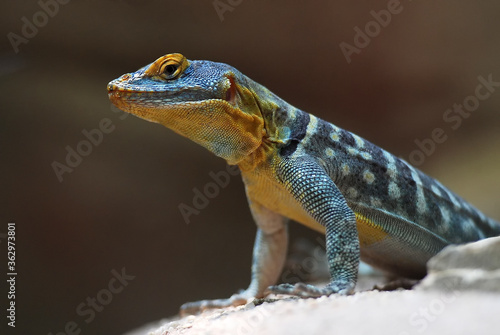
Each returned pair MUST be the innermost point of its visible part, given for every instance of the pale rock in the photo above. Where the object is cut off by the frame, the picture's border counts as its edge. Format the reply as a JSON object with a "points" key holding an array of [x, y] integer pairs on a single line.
{"points": [[472, 266]]}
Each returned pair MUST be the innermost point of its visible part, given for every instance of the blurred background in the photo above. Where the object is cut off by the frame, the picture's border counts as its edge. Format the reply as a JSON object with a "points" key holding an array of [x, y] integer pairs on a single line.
{"points": [[118, 208]]}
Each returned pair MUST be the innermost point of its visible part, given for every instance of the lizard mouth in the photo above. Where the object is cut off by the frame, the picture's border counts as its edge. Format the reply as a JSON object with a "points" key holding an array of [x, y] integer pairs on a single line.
{"points": [[119, 97], [124, 98], [143, 103]]}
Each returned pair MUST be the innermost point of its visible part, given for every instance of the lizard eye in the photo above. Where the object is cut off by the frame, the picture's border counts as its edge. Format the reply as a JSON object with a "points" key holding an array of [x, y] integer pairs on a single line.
{"points": [[168, 67], [170, 70]]}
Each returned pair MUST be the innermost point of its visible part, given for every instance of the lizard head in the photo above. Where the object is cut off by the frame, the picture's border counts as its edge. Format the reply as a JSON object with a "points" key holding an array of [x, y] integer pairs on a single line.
{"points": [[207, 102]]}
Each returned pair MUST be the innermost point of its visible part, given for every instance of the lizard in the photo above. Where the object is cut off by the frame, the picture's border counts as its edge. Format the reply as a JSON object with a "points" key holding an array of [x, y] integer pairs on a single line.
{"points": [[370, 204]]}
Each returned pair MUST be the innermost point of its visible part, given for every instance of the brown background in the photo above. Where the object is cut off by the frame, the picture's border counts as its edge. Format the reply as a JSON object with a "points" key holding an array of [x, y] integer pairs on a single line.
{"points": [[119, 207]]}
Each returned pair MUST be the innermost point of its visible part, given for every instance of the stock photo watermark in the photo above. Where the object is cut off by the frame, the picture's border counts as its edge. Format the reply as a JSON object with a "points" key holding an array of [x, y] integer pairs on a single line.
{"points": [[421, 319], [314, 262], [201, 197], [223, 6], [257, 317], [30, 28], [453, 117], [11, 274], [363, 37], [93, 305], [92, 138]]}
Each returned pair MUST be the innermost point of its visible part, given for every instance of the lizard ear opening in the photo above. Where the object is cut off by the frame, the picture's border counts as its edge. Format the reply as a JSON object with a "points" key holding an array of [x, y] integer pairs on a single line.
{"points": [[231, 93]]}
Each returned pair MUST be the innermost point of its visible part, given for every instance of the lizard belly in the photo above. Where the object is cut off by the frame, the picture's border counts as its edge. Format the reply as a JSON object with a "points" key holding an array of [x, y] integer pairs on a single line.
{"points": [[380, 247], [273, 195], [394, 244], [387, 242]]}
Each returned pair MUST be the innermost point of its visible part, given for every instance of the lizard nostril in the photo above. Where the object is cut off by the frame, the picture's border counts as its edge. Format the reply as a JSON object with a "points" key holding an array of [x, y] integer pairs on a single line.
{"points": [[111, 87]]}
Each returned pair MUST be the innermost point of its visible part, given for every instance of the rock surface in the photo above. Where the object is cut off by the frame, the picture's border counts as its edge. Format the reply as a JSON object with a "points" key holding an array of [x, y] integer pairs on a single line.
{"points": [[473, 266], [461, 295], [398, 312]]}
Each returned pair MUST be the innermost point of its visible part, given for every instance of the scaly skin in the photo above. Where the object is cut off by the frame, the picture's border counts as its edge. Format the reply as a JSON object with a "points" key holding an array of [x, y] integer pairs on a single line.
{"points": [[369, 203]]}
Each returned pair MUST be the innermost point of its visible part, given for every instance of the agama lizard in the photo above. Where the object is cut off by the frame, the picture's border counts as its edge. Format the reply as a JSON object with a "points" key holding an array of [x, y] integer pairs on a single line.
{"points": [[369, 203]]}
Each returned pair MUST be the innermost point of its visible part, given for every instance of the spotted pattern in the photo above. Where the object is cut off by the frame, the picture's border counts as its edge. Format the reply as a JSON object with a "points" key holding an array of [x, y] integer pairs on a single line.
{"points": [[420, 197], [335, 137], [352, 151], [453, 199], [370, 176], [352, 192], [345, 169], [359, 141], [392, 171], [366, 156], [394, 192], [445, 214], [376, 202], [311, 129], [436, 190]]}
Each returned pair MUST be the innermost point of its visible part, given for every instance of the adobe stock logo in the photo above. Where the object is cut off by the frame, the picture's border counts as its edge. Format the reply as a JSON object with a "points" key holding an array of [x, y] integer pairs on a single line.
{"points": [[201, 198], [221, 7], [453, 117], [92, 139], [97, 303], [373, 28], [30, 28]]}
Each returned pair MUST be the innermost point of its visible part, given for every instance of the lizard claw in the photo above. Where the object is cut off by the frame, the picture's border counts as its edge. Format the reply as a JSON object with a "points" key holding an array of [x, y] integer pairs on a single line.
{"points": [[310, 291]]}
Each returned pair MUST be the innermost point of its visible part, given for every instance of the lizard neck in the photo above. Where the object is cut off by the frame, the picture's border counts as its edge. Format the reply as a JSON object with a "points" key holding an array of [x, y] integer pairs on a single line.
{"points": [[278, 123]]}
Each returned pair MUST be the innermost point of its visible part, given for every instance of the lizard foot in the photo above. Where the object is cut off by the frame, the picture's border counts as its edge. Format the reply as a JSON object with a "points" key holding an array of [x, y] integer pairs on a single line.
{"points": [[310, 291], [196, 307]]}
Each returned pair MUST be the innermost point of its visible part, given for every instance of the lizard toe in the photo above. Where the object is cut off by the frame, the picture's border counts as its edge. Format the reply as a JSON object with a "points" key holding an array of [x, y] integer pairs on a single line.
{"points": [[310, 291], [196, 307]]}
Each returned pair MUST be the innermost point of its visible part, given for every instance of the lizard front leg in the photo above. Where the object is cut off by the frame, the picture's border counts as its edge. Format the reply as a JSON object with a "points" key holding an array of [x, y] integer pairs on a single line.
{"points": [[269, 255], [318, 195]]}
